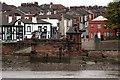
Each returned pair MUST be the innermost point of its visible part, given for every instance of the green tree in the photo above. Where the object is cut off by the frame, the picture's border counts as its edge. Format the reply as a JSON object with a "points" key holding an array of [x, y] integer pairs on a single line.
{"points": [[113, 16]]}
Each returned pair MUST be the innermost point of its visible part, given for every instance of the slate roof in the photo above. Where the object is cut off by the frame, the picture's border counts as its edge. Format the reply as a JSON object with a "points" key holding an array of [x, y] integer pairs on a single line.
{"points": [[68, 16], [4, 19], [29, 21], [53, 16], [10, 9], [58, 6], [30, 8], [79, 12]]}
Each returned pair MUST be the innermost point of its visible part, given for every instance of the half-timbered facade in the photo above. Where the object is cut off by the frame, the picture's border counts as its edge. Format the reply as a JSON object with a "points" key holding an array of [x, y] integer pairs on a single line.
{"points": [[20, 29]]}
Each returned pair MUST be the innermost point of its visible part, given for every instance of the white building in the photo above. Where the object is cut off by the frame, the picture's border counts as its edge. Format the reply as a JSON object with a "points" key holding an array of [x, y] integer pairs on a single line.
{"points": [[20, 29], [55, 26]]}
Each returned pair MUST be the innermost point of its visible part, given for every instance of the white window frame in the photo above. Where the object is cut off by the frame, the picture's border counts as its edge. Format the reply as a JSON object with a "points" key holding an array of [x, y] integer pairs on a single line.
{"points": [[28, 28], [98, 26]]}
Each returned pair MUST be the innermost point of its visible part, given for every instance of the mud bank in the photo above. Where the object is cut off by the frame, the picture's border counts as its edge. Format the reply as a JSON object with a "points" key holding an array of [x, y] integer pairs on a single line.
{"points": [[24, 63]]}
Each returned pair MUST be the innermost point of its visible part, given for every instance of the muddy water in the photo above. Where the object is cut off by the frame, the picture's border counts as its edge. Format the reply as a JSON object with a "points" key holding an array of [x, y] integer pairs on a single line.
{"points": [[61, 74]]}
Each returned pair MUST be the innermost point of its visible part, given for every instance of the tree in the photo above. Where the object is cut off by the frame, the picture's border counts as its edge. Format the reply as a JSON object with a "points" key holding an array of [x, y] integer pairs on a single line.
{"points": [[113, 16]]}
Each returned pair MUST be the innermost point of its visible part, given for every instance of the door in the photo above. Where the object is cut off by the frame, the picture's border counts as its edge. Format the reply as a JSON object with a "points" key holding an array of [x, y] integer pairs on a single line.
{"points": [[99, 35]]}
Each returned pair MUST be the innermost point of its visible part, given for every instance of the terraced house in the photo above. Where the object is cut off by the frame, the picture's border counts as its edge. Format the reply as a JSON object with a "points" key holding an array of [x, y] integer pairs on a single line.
{"points": [[20, 29]]}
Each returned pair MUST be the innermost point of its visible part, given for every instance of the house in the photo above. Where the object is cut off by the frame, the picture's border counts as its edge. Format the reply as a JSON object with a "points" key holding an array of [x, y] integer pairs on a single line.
{"points": [[96, 29], [82, 17], [20, 29], [60, 23], [54, 19], [66, 22]]}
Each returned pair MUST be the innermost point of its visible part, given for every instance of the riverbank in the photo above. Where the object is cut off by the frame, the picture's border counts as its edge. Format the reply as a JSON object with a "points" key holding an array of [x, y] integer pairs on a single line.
{"points": [[24, 63]]}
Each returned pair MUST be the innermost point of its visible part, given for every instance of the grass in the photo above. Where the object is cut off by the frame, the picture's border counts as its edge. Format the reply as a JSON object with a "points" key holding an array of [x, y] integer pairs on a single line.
{"points": [[24, 50]]}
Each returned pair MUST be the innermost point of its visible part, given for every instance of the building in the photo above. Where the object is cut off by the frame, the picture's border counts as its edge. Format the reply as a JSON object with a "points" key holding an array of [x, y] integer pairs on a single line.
{"points": [[66, 22], [20, 29], [54, 19], [116, 0], [96, 29]]}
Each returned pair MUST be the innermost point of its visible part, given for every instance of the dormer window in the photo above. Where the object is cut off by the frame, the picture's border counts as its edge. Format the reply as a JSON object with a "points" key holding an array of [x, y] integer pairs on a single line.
{"points": [[19, 22]]}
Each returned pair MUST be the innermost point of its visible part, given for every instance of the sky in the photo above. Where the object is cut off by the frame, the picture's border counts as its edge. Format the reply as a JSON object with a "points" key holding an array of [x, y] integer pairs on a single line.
{"points": [[66, 3]]}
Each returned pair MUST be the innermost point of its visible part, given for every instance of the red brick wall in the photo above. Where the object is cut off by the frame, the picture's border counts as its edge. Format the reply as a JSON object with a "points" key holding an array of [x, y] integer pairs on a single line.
{"points": [[10, 48], [51, 47], [95, 30]]}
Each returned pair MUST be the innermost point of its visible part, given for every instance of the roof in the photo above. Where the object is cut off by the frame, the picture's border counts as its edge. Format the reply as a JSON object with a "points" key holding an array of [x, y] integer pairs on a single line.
{"points": [[59, 6], [10, 10], [54, 16], [26, 21], [23, 20], [99, 18], [4, 19], [29, 8], [68, 16], [41, 21]]}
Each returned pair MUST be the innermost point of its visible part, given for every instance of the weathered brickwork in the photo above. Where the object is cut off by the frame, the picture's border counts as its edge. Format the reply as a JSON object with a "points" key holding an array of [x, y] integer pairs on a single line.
{"points": [[52, 47]]}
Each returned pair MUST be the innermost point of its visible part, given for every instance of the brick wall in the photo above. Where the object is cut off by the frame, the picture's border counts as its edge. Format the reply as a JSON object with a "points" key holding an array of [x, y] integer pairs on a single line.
{"points": [[54, 47], [8, 48]]}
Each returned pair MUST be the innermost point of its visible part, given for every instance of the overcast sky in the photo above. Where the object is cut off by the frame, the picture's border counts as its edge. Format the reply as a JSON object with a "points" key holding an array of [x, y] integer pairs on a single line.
{"points": [[66, 3]]}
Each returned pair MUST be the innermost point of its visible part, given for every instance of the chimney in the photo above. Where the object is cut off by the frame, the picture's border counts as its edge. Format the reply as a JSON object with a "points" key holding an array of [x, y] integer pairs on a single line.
{"points": [[34, 19], [36, 3]]}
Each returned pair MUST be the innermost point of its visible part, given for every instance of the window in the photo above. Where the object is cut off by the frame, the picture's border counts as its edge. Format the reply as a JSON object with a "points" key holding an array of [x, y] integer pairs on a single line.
{"points": [[20, 29], [91, 35], [110, 34], [40, 28], [107, 33], [9, 30], [48, 36], [14, 29], [0, 37], [92, 26], [26, 17], [0, 29], [28, 28], [94, 34], [17, 29], [43, 36], [98, 26], [54, 12], [45, 28], [19, 22], [70, 37], [104, 33], [14, 36]]}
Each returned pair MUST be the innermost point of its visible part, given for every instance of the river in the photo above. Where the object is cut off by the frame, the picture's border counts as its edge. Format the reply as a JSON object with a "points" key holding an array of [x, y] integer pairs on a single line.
{"points": [[61, 74]]}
